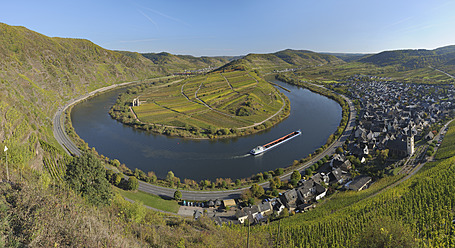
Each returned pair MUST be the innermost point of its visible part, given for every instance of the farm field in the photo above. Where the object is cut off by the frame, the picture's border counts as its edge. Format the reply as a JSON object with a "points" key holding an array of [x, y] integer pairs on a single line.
{"points": [[232, 100]]}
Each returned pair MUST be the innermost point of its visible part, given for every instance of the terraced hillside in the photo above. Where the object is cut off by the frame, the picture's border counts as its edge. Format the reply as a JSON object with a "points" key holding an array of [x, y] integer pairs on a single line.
{"points": [[225, 102]]}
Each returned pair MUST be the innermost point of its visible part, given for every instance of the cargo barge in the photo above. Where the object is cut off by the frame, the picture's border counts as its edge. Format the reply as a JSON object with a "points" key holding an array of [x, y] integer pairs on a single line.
{"points": [[260, 149]]}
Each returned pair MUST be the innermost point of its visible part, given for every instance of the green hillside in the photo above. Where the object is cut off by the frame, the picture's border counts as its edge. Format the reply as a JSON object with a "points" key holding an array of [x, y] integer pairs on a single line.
{"points": [[283, 60], [185, 62], [412, 59], [38, 74]]}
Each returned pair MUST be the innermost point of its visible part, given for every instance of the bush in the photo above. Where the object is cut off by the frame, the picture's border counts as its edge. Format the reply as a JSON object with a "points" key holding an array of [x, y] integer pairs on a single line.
{"points": [[87, 177], [132, 183], [177, 195], [296, 176]]}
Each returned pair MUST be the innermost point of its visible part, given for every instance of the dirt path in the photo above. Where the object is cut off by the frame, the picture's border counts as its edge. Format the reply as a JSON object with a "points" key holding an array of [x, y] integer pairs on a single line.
{"points": [[229, 84]]}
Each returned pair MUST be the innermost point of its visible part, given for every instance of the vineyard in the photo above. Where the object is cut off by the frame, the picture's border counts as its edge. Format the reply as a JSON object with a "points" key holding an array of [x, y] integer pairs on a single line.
{"points": [[419, 212], [222, 104], [210, 100], [447, 148]]}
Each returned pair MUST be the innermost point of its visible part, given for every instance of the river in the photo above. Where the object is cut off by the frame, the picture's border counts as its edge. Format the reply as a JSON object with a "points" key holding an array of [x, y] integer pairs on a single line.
{"points": [[315, 115]]}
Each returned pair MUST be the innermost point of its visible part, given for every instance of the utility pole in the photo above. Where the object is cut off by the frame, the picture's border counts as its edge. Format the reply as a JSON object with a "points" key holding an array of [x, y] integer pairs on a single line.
{"points": [[248, 238], [278, 235], [6, 159]]}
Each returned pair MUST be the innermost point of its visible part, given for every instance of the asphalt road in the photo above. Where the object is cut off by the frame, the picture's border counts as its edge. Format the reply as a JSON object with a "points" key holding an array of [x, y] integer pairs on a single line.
{"points": [[59, 127], [70, 148]]}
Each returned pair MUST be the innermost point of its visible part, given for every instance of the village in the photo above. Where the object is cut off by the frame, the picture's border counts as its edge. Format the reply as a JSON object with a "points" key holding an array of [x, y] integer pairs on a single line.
{"points": [[392, 120]]}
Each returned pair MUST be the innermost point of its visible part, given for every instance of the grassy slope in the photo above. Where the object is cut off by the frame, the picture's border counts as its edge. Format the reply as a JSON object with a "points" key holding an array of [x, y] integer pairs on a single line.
{"points": [[151, 200]]}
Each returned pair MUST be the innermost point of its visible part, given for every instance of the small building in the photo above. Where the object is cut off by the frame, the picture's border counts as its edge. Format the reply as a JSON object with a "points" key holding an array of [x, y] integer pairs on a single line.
{"points": [[265, 208], [289, 199], [338, 176], [359, 183], [247, 213], [229, 203], [320, 191], [321, 178], [278, 206]]}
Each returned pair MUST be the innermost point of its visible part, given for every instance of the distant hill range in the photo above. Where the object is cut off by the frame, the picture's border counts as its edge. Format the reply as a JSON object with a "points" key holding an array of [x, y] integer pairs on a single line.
{"points": [[186, 62], [412, 59], [348, 57], [283, 59]]}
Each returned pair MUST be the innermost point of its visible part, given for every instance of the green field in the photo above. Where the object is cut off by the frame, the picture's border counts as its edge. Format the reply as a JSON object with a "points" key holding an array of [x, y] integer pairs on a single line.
{"points": [[151, 200], [222, 100]]}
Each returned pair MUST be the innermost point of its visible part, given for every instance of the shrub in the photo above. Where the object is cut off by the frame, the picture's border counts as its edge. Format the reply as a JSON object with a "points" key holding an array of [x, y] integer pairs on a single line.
{"points": [[177, 195], [132, 183], [86, 176]]}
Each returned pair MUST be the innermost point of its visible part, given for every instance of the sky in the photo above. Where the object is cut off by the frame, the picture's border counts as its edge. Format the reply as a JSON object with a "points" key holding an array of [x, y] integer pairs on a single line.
{"points": [[239, 27]]}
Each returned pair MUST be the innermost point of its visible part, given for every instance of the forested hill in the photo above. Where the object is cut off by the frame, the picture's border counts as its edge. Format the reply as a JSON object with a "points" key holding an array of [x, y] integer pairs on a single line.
{"points": [[412, 59], [185, 62], [283, 60], [38, 74]]}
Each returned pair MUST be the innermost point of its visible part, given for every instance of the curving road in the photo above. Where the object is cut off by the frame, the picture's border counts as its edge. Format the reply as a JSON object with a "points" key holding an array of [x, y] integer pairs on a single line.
{"points": [[58, 122], [70, 148]]}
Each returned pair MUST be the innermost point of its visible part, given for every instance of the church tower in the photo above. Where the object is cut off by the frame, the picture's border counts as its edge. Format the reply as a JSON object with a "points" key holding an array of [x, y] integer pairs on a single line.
{"points": [[410, 144]]}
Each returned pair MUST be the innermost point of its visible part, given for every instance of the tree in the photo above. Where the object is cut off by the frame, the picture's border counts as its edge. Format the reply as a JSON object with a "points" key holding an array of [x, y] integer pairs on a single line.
{"points": [[115, 163], [151, 177], [177, 195], [259, 177], [294, 182], [132, 183], [170, 176], [139, 174], [86, 176], [296, 176], [256, 190], [279, 171], [339, 150], [277, 182], [116, 179], [383, 155]]}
